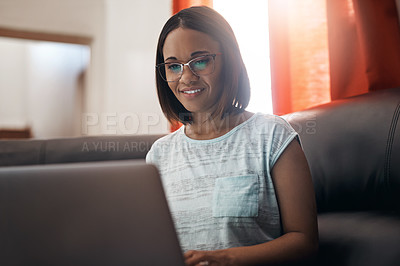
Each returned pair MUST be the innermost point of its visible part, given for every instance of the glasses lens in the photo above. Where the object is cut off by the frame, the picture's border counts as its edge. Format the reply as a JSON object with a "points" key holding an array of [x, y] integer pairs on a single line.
{"points": [[203, 65], [170, 71]]}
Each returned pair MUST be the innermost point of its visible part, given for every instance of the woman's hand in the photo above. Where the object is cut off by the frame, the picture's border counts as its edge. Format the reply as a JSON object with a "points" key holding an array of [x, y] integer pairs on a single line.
{"points": [[211, 258]]}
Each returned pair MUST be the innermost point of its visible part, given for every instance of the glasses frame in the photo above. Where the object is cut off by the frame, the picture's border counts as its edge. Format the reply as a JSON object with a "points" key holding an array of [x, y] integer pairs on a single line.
{"points": [[158, 66]]}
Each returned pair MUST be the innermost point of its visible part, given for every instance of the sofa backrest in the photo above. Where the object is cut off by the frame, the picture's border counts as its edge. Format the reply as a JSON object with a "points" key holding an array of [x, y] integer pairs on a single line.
{"points": [[353, 149], [81, 149]]}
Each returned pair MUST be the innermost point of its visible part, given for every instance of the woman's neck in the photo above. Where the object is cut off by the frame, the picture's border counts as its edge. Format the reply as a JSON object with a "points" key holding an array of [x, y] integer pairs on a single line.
{"points": [[206, 126]]}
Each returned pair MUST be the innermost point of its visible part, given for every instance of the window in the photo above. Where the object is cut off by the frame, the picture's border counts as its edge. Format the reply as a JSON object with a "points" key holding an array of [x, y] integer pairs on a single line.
{"points": [[250, 24]]}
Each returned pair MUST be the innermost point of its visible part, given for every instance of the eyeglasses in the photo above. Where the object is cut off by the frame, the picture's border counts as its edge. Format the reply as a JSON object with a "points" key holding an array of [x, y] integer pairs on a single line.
{"points": [[200, 66]]}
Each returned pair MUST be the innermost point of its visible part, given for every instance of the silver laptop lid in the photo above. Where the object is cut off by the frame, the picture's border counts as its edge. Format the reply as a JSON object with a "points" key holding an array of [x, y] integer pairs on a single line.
{"points": [[108, 213]]}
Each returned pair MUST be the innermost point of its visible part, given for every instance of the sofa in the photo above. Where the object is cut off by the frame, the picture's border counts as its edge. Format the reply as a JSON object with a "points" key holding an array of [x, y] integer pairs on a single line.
{"points": [[353, 150], [74, 150], [352, 147]]}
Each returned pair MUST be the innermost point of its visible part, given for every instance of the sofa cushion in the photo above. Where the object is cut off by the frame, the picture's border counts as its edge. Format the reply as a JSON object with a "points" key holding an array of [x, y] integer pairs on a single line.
{"points": [[81, 149], [21, 152], [353, 149], [100, 148]]}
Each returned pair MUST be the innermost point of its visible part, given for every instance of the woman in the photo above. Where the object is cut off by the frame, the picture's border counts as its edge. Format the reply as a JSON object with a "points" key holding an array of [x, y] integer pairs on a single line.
{"points": [[237, 183]]}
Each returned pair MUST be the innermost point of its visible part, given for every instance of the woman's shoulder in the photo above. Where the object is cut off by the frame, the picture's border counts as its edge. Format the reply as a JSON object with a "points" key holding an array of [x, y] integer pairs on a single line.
{"points": [[270, 120], [163, 146], [169, 138]]}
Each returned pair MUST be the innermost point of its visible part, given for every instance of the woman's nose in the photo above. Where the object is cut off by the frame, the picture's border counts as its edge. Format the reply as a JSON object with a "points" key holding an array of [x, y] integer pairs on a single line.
{"points": [[187, 75]]}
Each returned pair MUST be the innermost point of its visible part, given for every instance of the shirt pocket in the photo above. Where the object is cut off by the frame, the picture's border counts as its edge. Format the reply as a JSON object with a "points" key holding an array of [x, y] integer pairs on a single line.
{"points": [[236, 196]]}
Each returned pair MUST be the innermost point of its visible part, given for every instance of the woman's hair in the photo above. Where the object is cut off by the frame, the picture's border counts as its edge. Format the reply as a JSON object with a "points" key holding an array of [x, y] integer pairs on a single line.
{"points": [[235, 94]]}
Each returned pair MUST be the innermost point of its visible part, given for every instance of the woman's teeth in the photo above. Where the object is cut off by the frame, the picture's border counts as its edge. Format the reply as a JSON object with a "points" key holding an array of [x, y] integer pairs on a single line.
{"points": [[192, 91]]}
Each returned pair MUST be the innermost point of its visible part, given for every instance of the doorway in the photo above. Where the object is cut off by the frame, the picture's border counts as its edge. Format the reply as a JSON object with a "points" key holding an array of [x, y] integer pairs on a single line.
{"points": [[42, 86]]}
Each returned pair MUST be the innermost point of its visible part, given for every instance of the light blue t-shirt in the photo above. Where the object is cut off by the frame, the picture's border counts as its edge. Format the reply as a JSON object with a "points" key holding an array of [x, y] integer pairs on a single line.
{"points": [[220, 191]]}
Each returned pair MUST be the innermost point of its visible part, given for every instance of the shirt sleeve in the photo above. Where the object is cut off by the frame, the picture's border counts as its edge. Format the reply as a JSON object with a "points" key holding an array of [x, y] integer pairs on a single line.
{"points": [[150, 156], [283, 134]]}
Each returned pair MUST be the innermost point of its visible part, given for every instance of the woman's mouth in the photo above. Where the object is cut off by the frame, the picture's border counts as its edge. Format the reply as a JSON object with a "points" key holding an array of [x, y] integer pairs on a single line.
{"points": [[192, 91]]}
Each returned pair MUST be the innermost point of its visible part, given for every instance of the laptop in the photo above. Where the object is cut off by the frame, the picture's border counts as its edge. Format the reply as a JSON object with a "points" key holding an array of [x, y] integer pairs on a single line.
{"points": [[107, 213]]}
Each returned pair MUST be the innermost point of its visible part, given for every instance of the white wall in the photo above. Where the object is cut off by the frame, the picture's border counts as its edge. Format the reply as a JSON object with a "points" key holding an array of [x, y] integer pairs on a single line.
{"points": [[124, 32], [75, 17], [54, 71], [13, 62], [40, 86], [132, 31]]}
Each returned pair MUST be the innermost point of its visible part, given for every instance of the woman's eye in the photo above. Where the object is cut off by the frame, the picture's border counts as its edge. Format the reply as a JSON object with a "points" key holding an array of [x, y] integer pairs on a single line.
{"points": [[174, 67], [201, 63]]}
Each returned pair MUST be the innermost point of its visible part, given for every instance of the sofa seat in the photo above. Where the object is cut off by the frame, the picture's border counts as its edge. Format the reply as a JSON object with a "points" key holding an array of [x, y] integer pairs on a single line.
{"points": [[359, 238]]}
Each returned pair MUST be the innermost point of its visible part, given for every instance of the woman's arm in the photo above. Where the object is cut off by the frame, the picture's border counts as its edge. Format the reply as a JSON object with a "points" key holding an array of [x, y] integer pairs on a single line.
{"points": [[296, 199]]}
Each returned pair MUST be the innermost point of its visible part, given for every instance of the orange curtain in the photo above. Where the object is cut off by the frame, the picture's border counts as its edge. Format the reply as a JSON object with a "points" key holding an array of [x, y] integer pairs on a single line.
{"points": [[298, 54], [331, 49], [178, 5], [364, 41]]}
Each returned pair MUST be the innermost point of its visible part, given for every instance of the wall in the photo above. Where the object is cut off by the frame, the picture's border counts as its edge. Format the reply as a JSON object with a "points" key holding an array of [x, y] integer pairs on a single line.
{"points": [[132, 31], [40, 86], [13, 112], [54, 71], [124, 32]]}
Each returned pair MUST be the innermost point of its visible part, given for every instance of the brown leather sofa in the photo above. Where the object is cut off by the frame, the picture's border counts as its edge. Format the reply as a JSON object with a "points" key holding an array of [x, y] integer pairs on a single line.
{"points": [[353, 149]]}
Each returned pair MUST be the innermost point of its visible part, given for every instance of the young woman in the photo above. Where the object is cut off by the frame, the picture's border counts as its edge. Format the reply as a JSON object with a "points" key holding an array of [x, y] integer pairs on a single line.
{"points": [[237, 183]]}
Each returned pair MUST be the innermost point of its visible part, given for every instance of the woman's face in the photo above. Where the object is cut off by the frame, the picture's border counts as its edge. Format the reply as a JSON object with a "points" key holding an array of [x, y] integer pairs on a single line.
{"points": [[198, 94]]}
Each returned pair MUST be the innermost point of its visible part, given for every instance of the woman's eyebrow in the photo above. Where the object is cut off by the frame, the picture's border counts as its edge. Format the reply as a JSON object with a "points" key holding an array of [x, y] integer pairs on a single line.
{"points": [[196, 53], [199, 53], [171, 58]]}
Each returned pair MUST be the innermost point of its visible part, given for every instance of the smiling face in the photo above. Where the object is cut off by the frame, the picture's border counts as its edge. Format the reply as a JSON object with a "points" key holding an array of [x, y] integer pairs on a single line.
{"points": [[198, 94]]}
